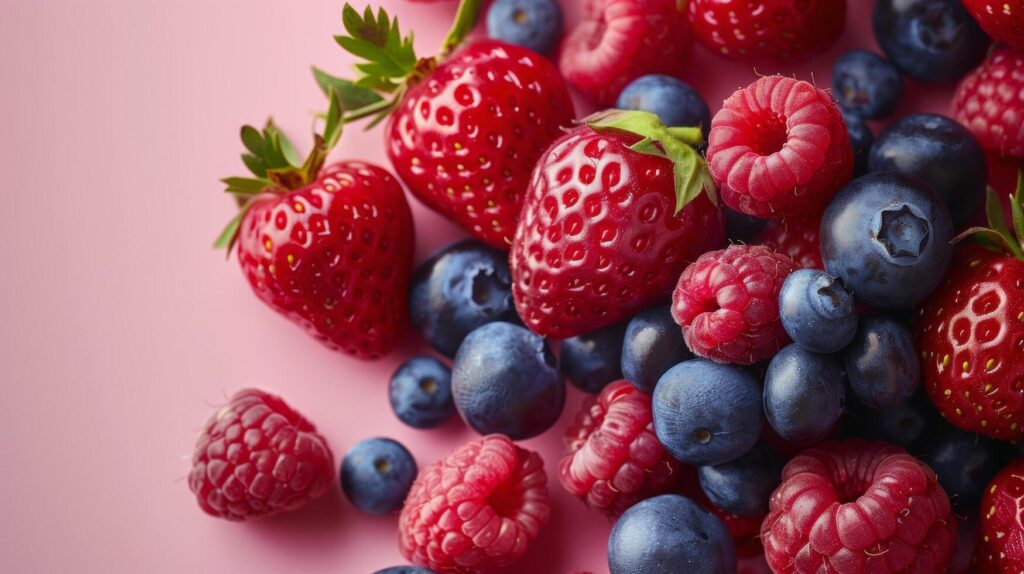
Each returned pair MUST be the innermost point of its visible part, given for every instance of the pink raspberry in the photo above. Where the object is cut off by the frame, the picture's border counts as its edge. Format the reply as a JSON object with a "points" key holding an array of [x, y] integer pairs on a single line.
{"points": [[854, 506], [990, 102], [475, 510], [727, 303], [797, 238], [615, 459], [779, 148], [258, 457]]}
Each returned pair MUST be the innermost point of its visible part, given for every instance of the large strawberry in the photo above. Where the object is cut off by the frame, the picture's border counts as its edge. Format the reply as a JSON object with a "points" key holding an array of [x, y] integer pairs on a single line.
{"points": [[1000, 546], [328, 247], [465, 128], [970, 332], [615, 211], [1001, 19]]}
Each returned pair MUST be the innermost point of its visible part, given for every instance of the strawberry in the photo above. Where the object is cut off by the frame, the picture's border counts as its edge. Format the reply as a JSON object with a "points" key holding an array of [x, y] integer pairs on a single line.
{"points": [[464, 128], [1000, 547], [616, 210], [970, 332], [328, 247], [1001, 19]]}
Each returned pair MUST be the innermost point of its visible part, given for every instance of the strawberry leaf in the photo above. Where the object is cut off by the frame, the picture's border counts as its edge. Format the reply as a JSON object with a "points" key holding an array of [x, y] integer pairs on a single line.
{"points": [[228, 237], [246, 185], [352, 96], [465, 21], [389, 57]]}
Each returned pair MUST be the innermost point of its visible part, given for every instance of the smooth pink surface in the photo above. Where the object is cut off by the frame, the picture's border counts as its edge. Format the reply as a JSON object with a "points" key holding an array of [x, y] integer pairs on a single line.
{"points": [[122, 329]]}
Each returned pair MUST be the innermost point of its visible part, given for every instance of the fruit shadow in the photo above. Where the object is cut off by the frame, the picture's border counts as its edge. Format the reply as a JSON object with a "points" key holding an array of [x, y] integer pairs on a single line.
{"points": [[313, 529]]}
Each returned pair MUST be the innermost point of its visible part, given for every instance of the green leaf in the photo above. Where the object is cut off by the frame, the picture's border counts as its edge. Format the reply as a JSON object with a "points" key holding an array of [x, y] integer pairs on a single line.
{"points": [[378, 40], [245, 185], [253, 140], [1019, 195], [465, 20], [227, 237], [1017, 213], [352, 96], [334, 120], [255, 165], [997, 224], [648, 147]]}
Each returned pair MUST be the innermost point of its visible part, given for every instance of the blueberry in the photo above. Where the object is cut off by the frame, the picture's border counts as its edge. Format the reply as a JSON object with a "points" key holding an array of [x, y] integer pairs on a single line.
{"points": [[886, 236], [670, 533], [461, 287], [421, 392], [932, 41], [506, 380], [941, 152], [908, 425], [861, 139], [652, 345], [866, 85], [533, 24], [707, 413], [405, 570], [594, 360], [803, 394], [742, 486], [965, 463], [673, 101], [376, 474], [742, 228], [817, 311], [881, 363]]}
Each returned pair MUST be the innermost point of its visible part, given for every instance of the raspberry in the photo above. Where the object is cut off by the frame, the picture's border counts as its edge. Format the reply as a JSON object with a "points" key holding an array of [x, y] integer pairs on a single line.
{"points": [[258, 457], [614, 459], [475, 510], [727, 303], [855, 506], [779, 148], [797, 238], [990, 102]]}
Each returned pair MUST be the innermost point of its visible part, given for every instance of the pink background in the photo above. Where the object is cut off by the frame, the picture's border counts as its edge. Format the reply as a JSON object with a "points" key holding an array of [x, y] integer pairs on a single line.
{"points": [[122, 329]]}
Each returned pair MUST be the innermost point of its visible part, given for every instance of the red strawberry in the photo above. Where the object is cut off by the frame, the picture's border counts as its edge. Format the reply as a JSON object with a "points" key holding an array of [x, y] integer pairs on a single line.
{"points": [[331, 248], [990, 101], [797, 238], [613, 215], [618, 41], [466, 128], [1000, 547], [769, 30], [1001, 19]]}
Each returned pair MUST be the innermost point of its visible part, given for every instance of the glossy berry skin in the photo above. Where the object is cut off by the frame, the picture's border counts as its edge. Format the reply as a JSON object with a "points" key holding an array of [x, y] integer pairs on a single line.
{"points": [[592, 361], [796, 238], [886, 236], [651, 346], [599, 238], [881, 364], [939, 151], [1000, 546], [804, 394], [965, 463], [533, 24], [476, 510], [334, 257], [779, 148], [990, 102], [257, 457], [465, 138], [770, 31], [675, 102], [462, 286], [506, 380], [618, 41], [861, 140], [970, 336], [421, 392], [613, 458], [707, 413], [727, 303], [742, 486], [866, 85], [932, 41], [376, 474], [670, 530], [1003, 20], [817, 312]]}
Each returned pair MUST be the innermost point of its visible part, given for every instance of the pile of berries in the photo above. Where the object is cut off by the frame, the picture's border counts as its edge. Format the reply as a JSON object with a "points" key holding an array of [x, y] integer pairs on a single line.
{"points": [[801, 340]]}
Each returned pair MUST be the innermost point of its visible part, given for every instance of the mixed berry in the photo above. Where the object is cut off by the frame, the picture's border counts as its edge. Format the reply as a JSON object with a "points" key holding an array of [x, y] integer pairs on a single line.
{"points": [[793, 344]]}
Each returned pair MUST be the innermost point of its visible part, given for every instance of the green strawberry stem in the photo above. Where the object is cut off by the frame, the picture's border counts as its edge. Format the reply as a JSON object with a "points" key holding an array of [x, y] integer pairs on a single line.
{"points": [[675, 144], [999, 235]]}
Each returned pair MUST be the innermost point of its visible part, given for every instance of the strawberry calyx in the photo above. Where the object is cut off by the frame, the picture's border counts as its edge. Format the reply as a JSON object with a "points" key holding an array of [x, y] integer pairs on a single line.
{"points": [[999, 236], [276, 167], [676, 144]]}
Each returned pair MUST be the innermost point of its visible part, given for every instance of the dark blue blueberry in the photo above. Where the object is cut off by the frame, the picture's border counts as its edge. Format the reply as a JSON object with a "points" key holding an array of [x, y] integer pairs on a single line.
{"points": [[533, 24], [652, 345], [881, 364], [421, 392], [593, 360], [817, 311], [505, 380], [742, 486], [673, 101], [909, 425], [861, 139], [942, 153], [866, 85], [965, 463], [670, 533], [405, 570], [886, 236], [743, 228], [376, 474], [707, 413], [932, 41], [803, 394], [461, 287]]}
